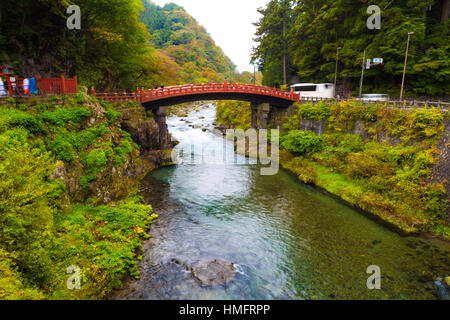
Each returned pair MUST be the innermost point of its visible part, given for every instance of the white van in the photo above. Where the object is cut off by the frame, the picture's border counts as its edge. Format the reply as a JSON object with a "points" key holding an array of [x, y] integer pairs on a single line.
{"points": [[314, 90]]}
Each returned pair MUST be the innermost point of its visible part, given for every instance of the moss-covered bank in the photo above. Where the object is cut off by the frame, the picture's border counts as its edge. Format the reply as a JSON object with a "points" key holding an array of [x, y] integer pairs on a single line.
{"points": [[380, 159], [68, 181]]}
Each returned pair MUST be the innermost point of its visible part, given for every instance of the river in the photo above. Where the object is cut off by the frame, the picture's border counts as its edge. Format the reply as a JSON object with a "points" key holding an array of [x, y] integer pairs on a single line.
{"points": [[287, 240]]}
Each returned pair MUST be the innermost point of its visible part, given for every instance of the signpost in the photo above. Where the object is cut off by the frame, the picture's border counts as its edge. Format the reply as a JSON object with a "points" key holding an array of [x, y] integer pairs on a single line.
{"points": [[376, 62]]}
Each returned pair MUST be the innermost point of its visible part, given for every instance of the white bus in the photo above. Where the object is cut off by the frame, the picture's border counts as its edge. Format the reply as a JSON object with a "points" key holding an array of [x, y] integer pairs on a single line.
{"points": [[314, 90]]}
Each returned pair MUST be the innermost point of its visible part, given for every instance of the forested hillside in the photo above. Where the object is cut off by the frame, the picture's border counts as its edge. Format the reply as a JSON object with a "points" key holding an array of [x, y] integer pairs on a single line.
{"points": [[186, 53], [316, 28], [121, 43]]}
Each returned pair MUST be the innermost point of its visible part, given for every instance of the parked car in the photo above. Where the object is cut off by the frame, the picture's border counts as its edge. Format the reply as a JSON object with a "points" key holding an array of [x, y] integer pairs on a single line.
{"points": [[374, 97]]}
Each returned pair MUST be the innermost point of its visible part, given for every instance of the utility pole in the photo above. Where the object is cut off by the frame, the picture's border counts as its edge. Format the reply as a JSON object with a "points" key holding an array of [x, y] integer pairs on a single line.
{"points": [[362, 75], [335, 72], [404, 68], [284, 52]]}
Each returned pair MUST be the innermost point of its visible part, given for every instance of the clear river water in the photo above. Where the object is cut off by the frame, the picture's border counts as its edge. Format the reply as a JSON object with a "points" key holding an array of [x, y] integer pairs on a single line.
{"points": [[286, 239]]}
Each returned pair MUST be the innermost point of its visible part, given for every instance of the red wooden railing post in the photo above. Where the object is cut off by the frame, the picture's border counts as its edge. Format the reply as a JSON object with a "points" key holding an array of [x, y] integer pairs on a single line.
{"points": [[76, 84], [63, 85], [9, 86]]}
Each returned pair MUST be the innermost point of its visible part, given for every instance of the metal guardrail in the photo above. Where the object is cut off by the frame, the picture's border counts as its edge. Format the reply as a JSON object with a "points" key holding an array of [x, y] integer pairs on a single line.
{"points": [[397, 104]]}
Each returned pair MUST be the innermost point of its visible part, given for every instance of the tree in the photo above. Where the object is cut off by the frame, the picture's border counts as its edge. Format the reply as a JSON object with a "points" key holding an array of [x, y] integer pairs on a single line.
{"points": [[273, 32], [321, 26], [110, 51]]}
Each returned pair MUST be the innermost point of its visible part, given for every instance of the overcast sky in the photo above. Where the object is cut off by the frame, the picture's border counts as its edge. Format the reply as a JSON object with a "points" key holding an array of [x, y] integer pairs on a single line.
{"points": [[229, 22]]}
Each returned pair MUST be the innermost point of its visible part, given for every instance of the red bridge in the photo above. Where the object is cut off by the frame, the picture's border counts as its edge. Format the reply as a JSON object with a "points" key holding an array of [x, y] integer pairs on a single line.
{"points": [[265, 102], [164, 97]]}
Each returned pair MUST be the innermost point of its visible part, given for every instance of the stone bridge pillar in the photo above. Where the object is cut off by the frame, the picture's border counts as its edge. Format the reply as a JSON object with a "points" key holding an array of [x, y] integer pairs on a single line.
{"points": [[264, 109], [160, 118], [277, 115], [254, 106]]}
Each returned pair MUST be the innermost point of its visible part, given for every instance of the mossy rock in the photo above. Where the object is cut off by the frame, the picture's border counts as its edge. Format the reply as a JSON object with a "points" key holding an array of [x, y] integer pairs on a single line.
{"points": [[214, 272]]}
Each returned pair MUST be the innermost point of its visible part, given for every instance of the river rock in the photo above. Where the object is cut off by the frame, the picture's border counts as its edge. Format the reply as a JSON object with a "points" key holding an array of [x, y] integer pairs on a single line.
{"points": [[443, 288], [222, 128], [214, 272]]}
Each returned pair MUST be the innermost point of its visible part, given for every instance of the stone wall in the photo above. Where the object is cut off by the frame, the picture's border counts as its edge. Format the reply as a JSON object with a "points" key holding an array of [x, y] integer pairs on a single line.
{"points": [[316, 126], [441, 171]]}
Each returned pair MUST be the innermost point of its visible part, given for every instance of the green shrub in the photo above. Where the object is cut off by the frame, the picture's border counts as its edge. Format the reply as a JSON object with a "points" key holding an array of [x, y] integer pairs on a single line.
{"points": [[11, 283], [83, 139], [30, 122], [25, 216], [86, 180], [16, 136], [96, 160], [58, 189], [101, 241], [63, 116], [42, 107], [81, 98], [112, 115], [236, 114], [62, 148], [121, 151], [302, 142], [426, 121], [317, 111], [401, 155], [343, 144]]}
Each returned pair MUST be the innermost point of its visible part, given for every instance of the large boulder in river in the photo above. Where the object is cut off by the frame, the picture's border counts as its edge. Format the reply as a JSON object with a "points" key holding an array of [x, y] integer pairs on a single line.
{"points": [[214, 272]]}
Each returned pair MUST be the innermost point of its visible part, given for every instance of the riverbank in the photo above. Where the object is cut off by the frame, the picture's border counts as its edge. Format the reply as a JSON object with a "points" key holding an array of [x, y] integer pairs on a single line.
{"points": [[378, 159], [69, 177]]}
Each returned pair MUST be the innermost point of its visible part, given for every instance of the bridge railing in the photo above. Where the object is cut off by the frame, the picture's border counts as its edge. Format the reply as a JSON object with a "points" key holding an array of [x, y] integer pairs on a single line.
{"points": [[150, 95], [155, 94], [117, 96]]}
